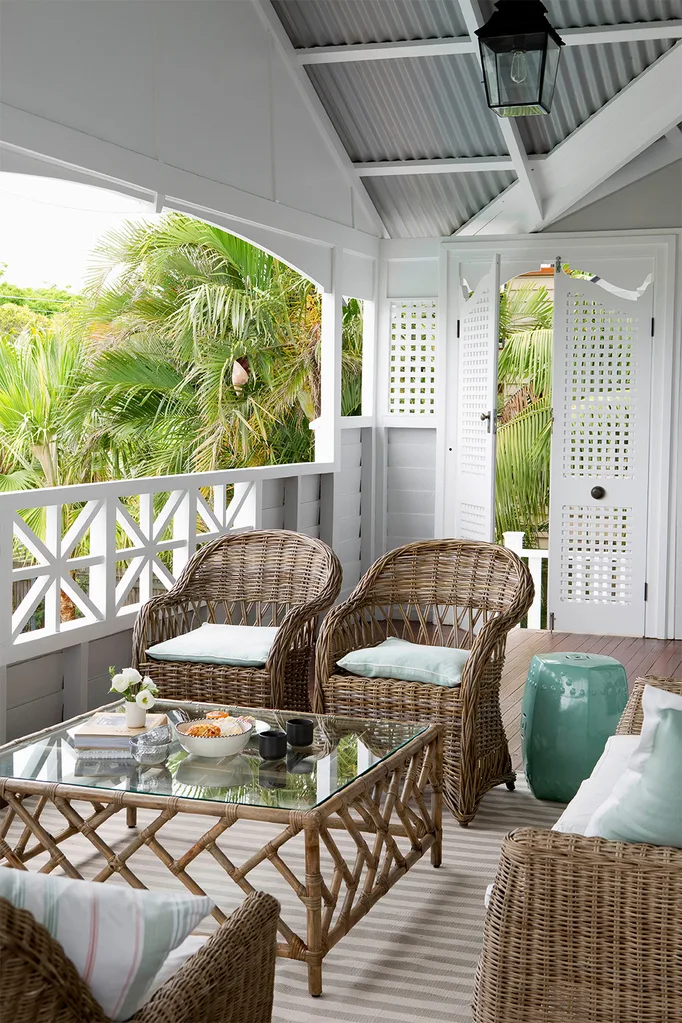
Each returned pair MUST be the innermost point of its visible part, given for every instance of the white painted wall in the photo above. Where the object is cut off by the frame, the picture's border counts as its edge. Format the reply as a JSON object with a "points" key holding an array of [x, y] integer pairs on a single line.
{"points": [[191, 99], [652, 202]]}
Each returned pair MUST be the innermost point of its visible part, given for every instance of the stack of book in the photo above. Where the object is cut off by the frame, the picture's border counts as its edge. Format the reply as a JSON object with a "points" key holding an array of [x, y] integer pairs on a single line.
{"points": [[107, 731]]}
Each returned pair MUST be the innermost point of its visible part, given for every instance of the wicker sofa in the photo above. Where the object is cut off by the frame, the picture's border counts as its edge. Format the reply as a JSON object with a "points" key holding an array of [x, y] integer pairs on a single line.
{"points": [[583, 930], [229, 980], [439, 592], [260, 577]]}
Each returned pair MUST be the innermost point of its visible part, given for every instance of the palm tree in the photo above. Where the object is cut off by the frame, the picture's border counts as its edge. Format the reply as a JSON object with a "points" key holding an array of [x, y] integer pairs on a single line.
{"points": [[524, 410], [179, 307]]}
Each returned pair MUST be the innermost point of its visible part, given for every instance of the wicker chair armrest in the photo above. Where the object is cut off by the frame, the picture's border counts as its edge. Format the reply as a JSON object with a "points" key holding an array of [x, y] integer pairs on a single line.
{"points": [[230, 979], [343, 629], [491, 635], [631, 720], [157, 621], [559, 902]]}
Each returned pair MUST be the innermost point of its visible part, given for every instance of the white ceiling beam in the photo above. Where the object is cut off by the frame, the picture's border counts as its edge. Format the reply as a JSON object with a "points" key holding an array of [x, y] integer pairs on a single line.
{"points": [[315, 106], [646, 109], [527, 190], [453, 45], [456, 165], [386, 51], [662, 153]]}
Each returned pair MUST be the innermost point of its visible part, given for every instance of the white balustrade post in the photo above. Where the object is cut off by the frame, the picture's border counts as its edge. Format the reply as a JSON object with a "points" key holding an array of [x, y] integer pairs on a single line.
{"points": [[369, 354], [185, 529], [535, 559], [514, 541], [246, 508], [103, 546], [328, 427], [147, 529], [53, 542]]}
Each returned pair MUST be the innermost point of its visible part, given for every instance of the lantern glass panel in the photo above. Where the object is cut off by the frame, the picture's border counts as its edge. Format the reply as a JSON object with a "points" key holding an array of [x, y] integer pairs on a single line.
{"points": [[519, 74], [550, 75]]}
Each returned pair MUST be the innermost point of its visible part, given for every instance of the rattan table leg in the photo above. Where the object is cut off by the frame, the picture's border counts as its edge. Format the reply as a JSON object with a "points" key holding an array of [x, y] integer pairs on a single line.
{"points": [[437, 800], [313, 903], [131, 816]]}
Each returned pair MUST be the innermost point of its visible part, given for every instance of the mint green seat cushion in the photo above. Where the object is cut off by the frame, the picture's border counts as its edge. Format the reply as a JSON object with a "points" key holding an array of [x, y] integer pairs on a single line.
{"points": [[646, 803], [409, 662], [242, 646]]}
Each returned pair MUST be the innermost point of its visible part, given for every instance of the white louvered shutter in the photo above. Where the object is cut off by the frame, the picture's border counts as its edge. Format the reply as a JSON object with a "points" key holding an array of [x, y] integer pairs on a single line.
{"points": [[601, 400], [479, 332]]}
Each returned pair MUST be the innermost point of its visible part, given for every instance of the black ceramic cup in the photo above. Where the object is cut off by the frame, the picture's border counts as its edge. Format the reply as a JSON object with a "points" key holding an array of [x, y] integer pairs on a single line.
{"points": [[272, 744], [299, 731]]}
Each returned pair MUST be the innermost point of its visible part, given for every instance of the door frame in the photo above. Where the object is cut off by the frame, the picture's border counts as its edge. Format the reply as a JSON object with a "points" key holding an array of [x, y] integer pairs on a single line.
{"points": [[663, 471]]}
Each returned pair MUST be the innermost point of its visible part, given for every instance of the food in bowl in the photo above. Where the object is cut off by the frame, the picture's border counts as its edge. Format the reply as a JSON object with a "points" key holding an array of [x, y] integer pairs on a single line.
{"points": [[204, 730], [215, 715], [224, 737]]}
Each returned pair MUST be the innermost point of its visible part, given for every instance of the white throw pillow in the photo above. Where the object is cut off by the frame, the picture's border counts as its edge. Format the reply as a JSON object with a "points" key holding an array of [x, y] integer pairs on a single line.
{"points": [[594, 790], [117, 937], [242, 646], [409, 662], [645, 805]]}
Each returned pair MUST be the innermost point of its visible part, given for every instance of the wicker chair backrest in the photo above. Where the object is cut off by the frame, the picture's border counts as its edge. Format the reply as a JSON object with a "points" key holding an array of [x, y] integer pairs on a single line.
{"points": [[440, 592], [257, 576]]}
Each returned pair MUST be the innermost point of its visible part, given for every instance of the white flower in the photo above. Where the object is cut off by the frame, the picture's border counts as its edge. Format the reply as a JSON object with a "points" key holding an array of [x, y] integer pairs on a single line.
{"points": [[148, 683], [132, 675], [144, 699], [119, 683]]}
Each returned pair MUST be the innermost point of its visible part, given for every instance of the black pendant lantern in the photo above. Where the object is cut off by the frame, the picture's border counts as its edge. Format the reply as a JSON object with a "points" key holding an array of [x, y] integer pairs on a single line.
{"points": [[520, 56]]}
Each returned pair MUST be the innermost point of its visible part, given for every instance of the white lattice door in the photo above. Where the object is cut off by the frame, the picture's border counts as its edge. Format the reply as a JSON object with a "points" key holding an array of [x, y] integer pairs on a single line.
{"points": [[600, 460], [479, 333]]}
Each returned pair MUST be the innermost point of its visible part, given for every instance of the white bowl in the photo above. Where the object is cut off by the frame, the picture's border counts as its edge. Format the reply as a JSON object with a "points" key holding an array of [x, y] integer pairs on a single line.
{"points": [[220, 746]]}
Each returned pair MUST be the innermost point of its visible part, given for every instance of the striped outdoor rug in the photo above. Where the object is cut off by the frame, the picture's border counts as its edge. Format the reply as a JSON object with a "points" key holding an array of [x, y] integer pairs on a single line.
{"points": [[411, 958]]}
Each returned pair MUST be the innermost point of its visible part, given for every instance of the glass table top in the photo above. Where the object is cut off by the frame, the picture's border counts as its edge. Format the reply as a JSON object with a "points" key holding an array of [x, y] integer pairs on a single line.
{"points": [[342, 750]]}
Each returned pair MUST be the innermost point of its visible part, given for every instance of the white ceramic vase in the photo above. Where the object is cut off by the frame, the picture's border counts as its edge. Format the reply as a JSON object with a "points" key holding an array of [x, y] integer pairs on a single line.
{"points": [[135, 715]]}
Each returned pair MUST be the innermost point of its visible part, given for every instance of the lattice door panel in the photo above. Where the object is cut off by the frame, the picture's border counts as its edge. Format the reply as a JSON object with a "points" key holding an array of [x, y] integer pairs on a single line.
{"points": [[476, 409], [598, 507], [412, 369]]}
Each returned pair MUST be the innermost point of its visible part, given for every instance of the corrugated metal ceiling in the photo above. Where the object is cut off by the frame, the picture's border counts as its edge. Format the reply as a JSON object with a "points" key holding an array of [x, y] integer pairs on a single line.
{"points": [[325, 23], [409, 109], [589, 76], [584, 13], [434, 107], [432, 206]]}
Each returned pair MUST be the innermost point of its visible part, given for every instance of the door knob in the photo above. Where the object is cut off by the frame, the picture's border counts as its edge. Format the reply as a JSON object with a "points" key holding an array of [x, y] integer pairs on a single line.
{"points": [[597, 493]]}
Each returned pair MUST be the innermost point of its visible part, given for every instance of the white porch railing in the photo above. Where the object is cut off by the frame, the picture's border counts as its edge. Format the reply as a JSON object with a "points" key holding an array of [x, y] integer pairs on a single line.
{"points": [[77, 562], [534, 558]]}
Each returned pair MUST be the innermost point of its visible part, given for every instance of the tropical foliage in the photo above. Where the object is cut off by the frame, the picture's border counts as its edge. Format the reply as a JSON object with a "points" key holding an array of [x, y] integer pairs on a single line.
{"points": [[524, 410], [191, 349]]}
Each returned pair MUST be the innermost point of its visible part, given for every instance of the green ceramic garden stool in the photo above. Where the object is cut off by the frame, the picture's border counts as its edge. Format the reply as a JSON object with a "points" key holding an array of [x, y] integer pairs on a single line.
{"points": [[572, 703]]}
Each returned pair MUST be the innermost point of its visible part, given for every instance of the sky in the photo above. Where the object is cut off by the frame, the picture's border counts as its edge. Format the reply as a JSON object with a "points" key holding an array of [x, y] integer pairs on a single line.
{"points": [[48, 227]]}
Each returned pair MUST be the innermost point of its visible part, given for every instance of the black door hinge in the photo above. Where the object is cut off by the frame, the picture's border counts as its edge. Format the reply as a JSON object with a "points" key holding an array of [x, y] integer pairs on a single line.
{"points": [[551, 621], [646, 592], [653, 324], [458, 327]]}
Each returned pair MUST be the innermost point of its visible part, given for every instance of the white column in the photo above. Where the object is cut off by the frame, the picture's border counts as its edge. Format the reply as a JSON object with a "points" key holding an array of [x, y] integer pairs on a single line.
{"points": [[328, 426]]}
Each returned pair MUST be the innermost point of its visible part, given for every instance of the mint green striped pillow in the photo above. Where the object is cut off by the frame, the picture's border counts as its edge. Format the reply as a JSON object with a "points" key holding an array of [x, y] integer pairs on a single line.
{"points": [[409, 662], [117, 937]]}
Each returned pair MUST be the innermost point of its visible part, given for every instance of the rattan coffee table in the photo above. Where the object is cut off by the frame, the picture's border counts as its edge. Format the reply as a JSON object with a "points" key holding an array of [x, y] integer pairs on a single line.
{"points": [[363, 804]]}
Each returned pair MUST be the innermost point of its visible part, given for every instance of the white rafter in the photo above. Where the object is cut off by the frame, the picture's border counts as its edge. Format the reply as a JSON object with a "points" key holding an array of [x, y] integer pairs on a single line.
{"points": [[646, 109], [626, 33], [316, 108], [526, 185], [662, 153], [456, 165]]}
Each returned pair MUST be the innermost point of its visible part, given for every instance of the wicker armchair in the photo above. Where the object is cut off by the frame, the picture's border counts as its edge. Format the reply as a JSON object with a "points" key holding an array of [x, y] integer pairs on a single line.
{"points": [[229, 980], [583, 930], [439, 592], [261, 577]]}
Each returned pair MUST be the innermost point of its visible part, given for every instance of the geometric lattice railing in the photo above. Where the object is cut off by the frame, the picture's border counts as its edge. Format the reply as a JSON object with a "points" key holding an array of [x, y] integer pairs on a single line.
{"points": [[80, 558]]}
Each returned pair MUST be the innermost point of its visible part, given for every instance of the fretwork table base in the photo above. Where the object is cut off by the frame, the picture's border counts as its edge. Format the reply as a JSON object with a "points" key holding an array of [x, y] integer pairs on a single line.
{"points": [[392, 815]]}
